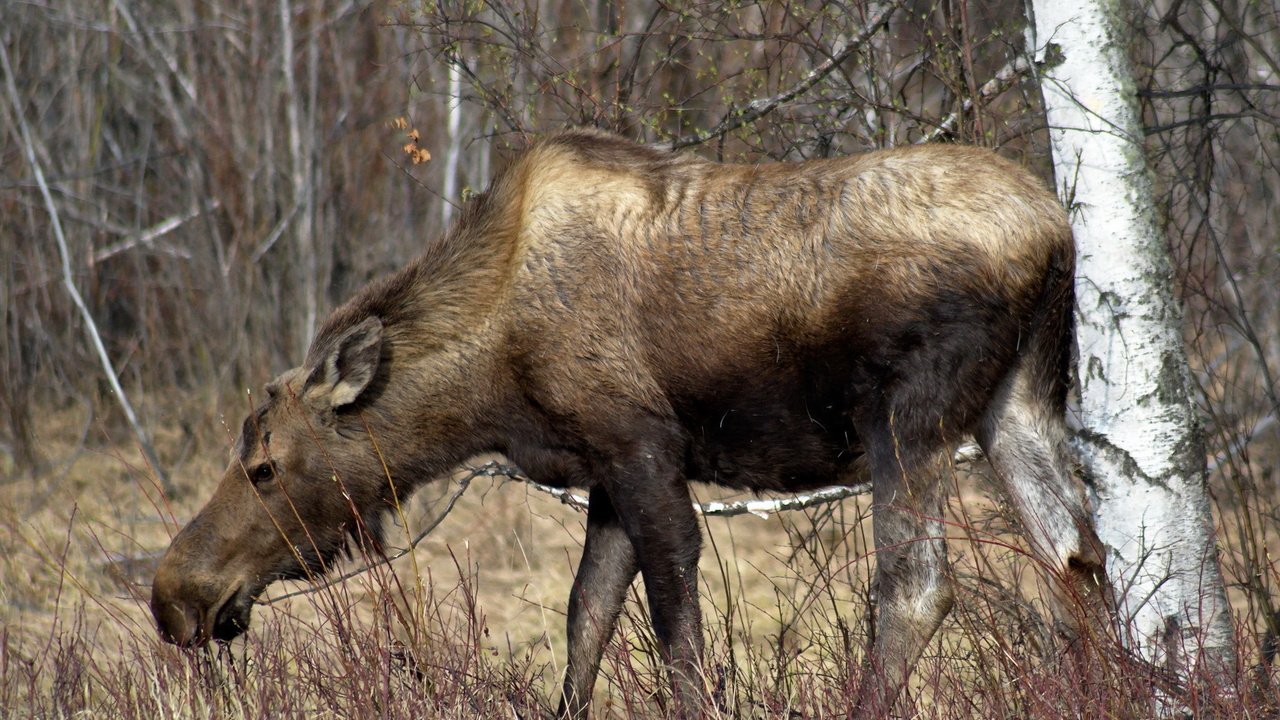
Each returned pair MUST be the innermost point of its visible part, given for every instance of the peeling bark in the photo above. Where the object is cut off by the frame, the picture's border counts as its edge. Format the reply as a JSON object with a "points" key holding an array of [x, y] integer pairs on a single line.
{"points": [[1141, 443]]}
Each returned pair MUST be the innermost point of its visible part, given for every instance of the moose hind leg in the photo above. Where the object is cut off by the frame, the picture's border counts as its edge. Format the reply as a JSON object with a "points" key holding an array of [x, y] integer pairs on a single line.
{"points": [[607, 568], [653, 505], [1023, 434], [913, 585]]}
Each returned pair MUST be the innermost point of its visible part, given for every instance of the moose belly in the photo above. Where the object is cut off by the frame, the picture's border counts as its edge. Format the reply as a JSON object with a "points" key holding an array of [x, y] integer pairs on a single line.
{"points": [[770, 435]]}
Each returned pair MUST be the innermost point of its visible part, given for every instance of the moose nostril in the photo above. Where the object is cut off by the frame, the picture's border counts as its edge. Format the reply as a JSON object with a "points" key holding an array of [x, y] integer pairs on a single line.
{"points": [[178, 622]]}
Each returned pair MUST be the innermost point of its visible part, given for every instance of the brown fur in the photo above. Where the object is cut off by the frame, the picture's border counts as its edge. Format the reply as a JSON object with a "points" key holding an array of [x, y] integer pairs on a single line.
{"points": [[624, 319]]}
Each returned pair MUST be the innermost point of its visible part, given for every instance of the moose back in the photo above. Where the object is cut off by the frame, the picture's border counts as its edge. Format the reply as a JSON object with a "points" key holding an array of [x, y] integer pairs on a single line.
{"points": [[625, 319]]}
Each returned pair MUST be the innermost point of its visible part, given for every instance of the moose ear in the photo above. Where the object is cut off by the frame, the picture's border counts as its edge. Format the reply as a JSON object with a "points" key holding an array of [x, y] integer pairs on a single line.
{"points": [[349, 366]]}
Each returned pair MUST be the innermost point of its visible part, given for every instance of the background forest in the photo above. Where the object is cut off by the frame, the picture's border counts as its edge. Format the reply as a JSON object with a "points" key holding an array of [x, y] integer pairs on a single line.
{"points": [[212, 177]]}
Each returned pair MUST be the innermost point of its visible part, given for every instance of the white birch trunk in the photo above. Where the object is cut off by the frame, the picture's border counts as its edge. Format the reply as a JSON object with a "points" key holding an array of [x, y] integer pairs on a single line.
{"points": [[454, 151], [1141, 439]]}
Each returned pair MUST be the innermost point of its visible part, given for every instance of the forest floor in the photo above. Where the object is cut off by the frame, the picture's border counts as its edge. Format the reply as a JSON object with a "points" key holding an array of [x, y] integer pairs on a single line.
{"points": [[471, 623]]}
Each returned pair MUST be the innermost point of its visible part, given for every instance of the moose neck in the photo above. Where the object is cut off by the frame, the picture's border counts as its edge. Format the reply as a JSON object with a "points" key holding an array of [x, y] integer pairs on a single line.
{"points": [[435, 412], [439, 378]]}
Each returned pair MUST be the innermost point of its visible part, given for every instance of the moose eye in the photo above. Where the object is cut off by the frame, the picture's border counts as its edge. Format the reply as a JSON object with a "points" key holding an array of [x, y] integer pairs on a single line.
{"points": [[266, 472]]}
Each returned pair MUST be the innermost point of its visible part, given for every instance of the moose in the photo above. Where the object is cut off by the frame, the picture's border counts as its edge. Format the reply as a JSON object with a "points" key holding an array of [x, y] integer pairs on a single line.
{"points": [[625, 319]]}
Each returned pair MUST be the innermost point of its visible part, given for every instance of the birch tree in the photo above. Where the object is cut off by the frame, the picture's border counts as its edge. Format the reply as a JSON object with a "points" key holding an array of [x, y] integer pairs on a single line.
{"points": [[1140, 441]]}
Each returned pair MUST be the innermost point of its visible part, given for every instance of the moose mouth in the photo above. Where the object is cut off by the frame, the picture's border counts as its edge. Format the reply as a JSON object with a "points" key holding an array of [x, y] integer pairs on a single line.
{"points": [[232, 619], [186, 619], [187, 625], [232, 616]]}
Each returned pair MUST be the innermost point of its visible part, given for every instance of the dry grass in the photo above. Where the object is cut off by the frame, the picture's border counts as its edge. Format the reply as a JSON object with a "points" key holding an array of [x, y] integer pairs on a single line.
{"points": [[471, 623], [190, 111]]}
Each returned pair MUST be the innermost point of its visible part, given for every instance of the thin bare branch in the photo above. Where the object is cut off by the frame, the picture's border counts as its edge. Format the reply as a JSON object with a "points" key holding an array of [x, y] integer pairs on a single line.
{"points": [[151, 234], [68, 280], [1005, 78], [463, 484], [1212, 118], [760, 107], [1199, 90]]}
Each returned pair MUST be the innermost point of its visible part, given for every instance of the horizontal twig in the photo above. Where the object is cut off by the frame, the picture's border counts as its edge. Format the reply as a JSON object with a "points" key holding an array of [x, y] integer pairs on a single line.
{"points": [[387, 559], [760, 507], [1210, 118], [151, 234], [1202, 89]]}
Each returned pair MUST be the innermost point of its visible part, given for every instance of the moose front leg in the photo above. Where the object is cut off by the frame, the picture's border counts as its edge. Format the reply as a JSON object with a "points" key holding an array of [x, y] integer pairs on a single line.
{"points": [[651, 498], [607, 568]]}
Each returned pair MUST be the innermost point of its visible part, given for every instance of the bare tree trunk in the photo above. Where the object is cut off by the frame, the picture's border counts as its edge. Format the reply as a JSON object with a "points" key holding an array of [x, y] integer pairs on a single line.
{"points": [[454, 153], [1141, 441], [300, 154]]}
